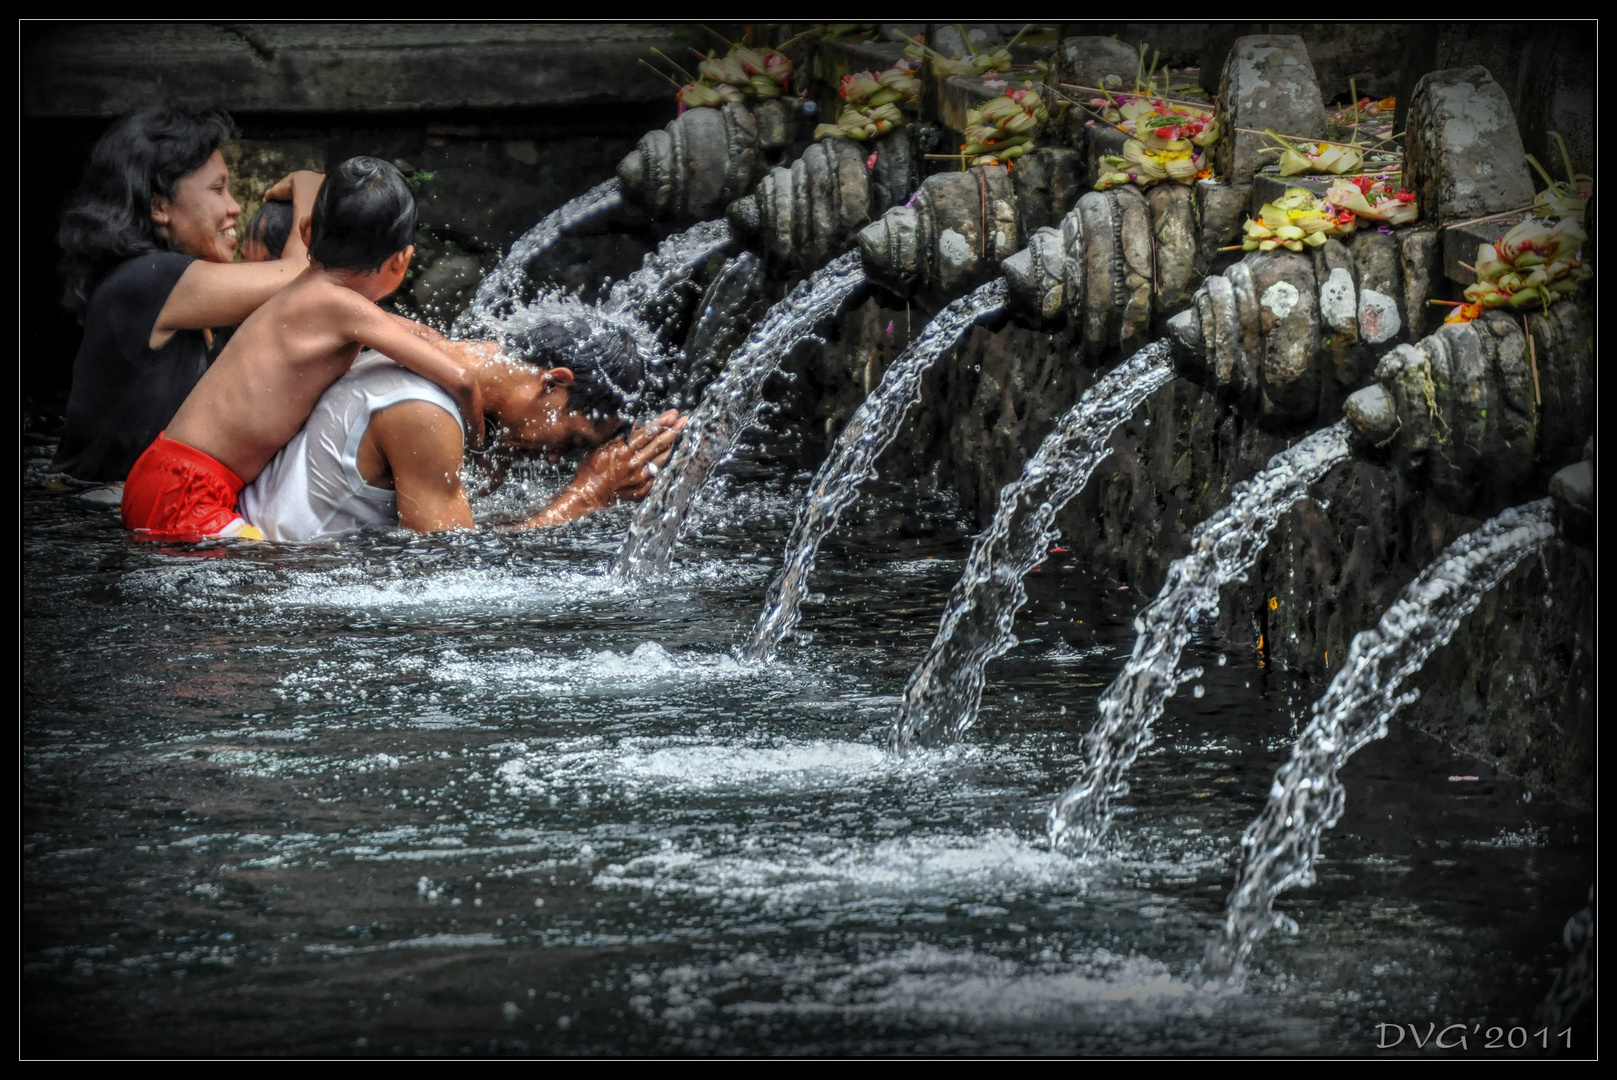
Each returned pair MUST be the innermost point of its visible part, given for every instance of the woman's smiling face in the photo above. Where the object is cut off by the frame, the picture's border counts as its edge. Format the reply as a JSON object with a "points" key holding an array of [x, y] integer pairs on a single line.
{"points": [[200, 219]]}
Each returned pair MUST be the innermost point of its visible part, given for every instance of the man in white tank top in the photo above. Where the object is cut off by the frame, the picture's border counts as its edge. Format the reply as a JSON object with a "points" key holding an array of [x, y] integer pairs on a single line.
{"points": [[385, 446]]}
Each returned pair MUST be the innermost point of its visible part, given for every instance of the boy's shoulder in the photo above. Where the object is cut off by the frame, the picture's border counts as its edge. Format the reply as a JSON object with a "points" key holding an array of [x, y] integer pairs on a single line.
{"points": [[321, 293]]}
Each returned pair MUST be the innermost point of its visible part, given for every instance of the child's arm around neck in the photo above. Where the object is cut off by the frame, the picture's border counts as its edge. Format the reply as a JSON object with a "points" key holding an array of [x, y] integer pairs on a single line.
{"points": [[426, 353]]}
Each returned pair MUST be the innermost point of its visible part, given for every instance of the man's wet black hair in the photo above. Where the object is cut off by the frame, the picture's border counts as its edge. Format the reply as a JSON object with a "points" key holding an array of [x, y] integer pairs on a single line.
{"points": [[364, 213], [609, 375], [109, 219], [270, 226]]}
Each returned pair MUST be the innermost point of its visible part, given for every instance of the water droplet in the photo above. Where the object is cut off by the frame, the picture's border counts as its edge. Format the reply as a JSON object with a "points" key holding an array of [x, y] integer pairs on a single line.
{"points": [[1222, 659], [1200, 690], [1548, 602]]}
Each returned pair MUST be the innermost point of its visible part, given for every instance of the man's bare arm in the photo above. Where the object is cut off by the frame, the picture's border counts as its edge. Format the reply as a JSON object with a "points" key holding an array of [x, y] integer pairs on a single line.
{"points": [[420, 445], [617, 470]]}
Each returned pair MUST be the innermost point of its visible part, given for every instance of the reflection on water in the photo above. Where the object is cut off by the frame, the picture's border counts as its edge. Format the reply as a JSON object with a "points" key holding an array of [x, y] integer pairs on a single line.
{"points": [[447, 795]]}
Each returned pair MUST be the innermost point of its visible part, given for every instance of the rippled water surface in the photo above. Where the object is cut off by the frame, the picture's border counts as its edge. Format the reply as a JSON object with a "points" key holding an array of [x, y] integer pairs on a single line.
{"points": [[398, 796]]}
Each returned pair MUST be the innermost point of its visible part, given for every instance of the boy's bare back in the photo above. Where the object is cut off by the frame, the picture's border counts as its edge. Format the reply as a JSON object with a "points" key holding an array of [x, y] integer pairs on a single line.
{"points": [[265, 383]]}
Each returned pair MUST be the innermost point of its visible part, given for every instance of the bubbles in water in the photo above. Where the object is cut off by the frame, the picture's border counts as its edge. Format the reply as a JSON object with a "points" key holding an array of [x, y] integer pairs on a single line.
{"points": [[1200, 690], [1222, 659]]}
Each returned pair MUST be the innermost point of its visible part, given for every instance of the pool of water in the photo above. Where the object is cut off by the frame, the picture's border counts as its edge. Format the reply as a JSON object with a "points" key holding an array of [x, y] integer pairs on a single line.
{"points": [[462, 795]]}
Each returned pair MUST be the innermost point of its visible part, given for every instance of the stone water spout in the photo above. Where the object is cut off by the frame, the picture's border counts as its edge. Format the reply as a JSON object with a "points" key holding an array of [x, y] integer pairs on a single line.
{"points": [[1118, 258], [802, 216], [703, 159], [1466, 409], [951, 237], [1276, 326]]}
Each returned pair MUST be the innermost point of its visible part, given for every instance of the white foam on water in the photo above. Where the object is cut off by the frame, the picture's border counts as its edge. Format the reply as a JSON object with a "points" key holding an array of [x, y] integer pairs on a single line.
{"points": [[196, 582], [430, 941], [704, 766], [1515, 838], [1066, 654], [697, 764], [480, 589], [969, 990], [816, 764], [782, 875], [649, 666]]}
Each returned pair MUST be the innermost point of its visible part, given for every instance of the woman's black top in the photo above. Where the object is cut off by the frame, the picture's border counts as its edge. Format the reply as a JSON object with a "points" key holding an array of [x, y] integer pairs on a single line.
{"points": [[125, 392]]}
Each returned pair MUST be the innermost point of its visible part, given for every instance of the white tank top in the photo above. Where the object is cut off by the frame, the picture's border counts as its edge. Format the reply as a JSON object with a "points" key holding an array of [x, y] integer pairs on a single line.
{"points": [[312, 487]]}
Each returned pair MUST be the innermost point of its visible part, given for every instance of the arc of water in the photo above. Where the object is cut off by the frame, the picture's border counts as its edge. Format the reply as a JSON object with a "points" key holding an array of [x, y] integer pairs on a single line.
{"points": [[852, 461], [732, 306], [1222, 548], [944, 691], [1279, 848], [729, 407], [652, 295], [672, 262], [499, 286]]}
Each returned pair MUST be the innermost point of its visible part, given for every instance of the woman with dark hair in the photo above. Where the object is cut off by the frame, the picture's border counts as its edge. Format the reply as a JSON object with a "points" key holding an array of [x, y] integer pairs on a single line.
{"points": [[148, 244]]}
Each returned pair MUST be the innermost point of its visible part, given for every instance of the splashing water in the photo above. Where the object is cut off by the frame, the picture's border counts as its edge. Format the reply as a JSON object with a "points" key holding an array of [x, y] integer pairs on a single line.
{"points": [[653, 288], [853, 461], [1222, 548], [642, 305], [497, 292], [735, 300], [1279, 848], [944, 691], [584, 321], [728, 408]]}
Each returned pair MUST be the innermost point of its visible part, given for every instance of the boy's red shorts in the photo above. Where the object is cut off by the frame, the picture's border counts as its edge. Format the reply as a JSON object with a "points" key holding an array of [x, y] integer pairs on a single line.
{"points": [[177, 494]]}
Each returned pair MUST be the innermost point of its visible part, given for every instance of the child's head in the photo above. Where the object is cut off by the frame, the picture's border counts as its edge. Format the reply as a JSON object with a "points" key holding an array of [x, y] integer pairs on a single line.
{"points": [[364, 215], [265, 235]]}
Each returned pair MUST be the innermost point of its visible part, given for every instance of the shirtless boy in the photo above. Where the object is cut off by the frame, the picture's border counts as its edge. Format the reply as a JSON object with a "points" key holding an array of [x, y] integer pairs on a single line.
{"points": [[384, 446], [256, 396]]}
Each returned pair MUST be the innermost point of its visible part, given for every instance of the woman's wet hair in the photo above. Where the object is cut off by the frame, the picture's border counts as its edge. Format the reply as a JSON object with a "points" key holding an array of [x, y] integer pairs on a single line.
{"points": [[109, 218], [270, 226], [365, 212], [609, 376]]}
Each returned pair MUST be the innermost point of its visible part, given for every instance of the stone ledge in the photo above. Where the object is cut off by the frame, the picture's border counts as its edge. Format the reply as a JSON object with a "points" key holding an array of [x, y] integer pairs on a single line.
{"points": [[102, 70]]}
